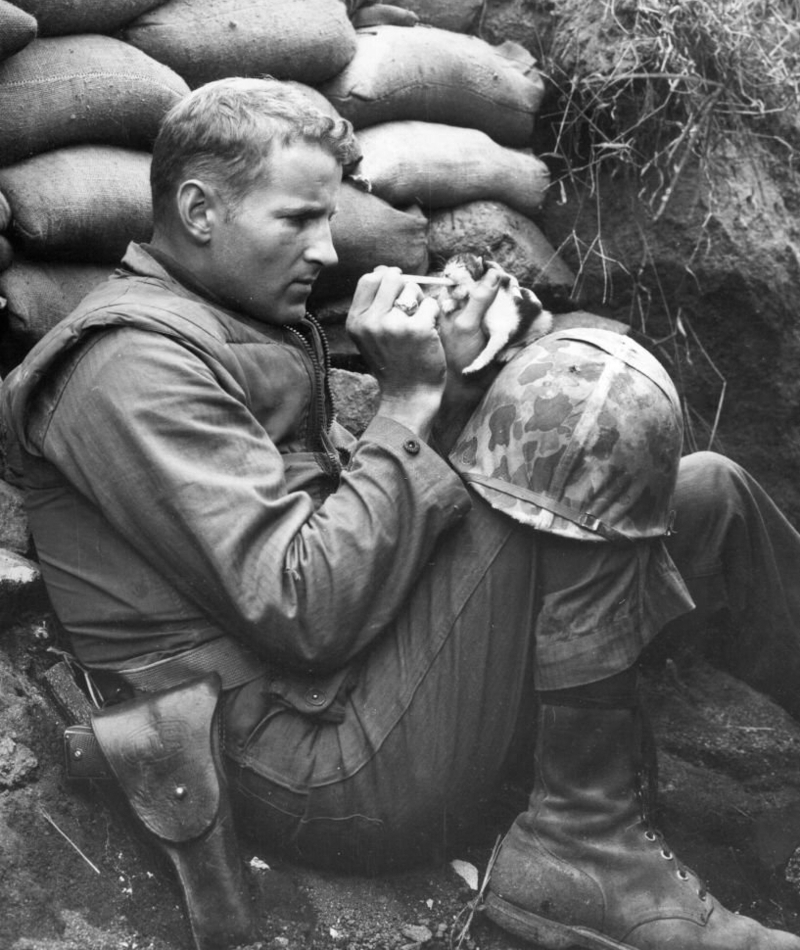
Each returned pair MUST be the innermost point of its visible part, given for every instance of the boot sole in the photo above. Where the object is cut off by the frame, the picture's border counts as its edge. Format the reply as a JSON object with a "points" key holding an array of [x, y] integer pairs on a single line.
{"points": [[548, 934]]}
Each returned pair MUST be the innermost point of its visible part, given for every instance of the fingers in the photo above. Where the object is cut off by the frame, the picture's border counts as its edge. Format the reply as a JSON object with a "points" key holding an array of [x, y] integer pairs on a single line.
{"points": [[379, 288], [484, 292], [409, 298], [428, 311], [481, 296]]}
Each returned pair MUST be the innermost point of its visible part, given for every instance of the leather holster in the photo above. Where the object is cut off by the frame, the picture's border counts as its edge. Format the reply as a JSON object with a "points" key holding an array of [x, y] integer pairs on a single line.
{"points": [[163, 749]]}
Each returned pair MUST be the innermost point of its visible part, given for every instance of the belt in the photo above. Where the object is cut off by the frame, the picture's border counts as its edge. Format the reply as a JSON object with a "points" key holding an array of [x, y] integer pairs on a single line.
{"points": [[235, 664]]}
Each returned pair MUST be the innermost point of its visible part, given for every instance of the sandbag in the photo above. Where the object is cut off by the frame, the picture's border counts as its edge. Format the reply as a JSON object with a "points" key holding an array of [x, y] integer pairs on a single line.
{"points": [[439, 166], [6, 253], [81, 203], [436, 76], [57, 17], [367, 232], [307, 40], [508, 237], [17, 29], [40, 294], [77, 89], [5, 212], [461, 16], [378, 14]]}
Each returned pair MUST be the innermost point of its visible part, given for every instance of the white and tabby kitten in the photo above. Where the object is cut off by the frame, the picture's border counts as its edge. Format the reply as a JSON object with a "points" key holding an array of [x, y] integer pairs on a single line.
{"points": [[515, 317]]}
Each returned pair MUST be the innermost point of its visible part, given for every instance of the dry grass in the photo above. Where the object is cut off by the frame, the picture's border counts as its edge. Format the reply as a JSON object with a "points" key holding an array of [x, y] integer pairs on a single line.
{"points": [[648, 89], [681, 74]]}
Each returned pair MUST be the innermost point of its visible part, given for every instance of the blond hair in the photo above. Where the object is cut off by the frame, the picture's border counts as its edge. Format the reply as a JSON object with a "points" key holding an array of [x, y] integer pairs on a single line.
{"points": [[224, 133]]}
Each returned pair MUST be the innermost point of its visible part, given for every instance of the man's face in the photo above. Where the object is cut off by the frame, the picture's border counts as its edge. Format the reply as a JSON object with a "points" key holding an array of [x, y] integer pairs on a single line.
{"points": [[266, 254]]}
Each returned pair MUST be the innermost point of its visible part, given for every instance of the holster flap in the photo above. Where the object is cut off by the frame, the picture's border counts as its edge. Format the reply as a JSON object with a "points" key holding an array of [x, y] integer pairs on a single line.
{"points": [[163, 749]]}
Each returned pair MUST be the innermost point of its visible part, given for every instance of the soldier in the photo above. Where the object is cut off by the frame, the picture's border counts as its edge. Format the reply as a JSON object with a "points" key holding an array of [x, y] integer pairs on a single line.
{"points": [[380, 630]]}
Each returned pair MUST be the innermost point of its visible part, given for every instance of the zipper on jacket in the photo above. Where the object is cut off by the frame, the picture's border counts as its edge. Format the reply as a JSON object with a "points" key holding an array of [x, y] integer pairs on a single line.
{"points": [[321, 416]]}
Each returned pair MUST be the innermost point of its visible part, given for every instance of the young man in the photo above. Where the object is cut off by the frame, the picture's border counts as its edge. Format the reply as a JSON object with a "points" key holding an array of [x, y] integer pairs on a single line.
{"points": [[380, 630]]}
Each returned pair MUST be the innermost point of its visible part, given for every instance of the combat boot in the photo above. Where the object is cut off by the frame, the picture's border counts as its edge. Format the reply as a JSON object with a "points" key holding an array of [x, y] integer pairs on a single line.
{"points": [[582, 867]]}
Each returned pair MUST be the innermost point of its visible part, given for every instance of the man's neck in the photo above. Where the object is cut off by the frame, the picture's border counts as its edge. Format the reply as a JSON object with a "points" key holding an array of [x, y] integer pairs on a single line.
{"points": [[183, 274]]}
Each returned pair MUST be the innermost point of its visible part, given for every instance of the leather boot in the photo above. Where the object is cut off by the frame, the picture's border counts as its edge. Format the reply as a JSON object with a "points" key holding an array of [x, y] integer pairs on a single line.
{"points": [[583, 868]]}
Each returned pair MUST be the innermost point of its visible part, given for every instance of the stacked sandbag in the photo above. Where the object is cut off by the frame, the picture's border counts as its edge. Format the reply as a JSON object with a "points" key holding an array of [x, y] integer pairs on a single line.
{"points": [[6, 251], [440, 166], [79, 203], [17, 29], [76, 89], [78, 116], [437, 76], [368, 231], [43, 293], [59, 17], [460, 16], [445, 122], [306, 40]]}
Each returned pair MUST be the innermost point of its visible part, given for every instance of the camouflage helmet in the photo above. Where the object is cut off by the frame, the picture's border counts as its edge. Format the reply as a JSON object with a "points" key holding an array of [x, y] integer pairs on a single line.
{"points": [[579, 435]]}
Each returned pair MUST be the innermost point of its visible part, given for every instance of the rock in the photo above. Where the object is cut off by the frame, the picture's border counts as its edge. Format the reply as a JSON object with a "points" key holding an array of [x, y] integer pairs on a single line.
{"points": [[14, 531], [21, 586], [355, 396], [417, 933], [17, 763]]}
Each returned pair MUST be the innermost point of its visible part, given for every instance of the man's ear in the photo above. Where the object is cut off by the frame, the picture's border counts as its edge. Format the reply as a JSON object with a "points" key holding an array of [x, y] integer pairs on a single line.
{"points": [[198, 210]]}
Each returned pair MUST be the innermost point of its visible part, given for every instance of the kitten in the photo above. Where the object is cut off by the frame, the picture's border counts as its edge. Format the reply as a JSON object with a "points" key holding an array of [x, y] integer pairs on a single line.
{"points": [[515, 317]]}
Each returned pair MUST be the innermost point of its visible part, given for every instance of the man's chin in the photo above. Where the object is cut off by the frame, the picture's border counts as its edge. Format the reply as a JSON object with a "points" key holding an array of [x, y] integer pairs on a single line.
{"points": [[282, 315]]}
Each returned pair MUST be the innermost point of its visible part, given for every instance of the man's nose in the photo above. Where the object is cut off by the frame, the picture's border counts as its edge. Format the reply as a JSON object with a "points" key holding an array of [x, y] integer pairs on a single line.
{"points": [[321, 249]]}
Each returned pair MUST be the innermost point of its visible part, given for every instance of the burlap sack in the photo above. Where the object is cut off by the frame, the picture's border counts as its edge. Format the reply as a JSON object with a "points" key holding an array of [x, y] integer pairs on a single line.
{"points": [[76, 89], [508, 237], [6, 253], [80, 203], [5, 212], [439, 166], [436, 76], [17, 29], [41, 294], [307, 40], [368, 232], [460, 16], [57, 17], [379, 14]]}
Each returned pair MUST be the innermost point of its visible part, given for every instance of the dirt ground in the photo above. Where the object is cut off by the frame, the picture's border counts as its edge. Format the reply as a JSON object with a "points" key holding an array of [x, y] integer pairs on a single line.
{"points": [[74, 874]]}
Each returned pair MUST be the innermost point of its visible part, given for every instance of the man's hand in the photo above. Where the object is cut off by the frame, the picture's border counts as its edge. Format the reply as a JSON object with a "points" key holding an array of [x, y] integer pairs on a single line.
{"points": [[402, 349], [461, 331], [462, 336]]}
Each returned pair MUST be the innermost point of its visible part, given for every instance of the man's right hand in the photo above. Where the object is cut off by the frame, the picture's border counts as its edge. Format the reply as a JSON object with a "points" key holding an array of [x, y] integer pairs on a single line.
{"points": [[402, 350]]}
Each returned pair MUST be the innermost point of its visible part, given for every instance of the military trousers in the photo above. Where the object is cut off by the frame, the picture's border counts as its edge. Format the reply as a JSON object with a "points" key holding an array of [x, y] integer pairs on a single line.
{"points": [[441, 704]]}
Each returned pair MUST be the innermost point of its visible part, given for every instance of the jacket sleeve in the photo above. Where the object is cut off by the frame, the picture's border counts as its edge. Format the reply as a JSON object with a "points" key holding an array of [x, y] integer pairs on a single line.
{"points": [[180, 466]]}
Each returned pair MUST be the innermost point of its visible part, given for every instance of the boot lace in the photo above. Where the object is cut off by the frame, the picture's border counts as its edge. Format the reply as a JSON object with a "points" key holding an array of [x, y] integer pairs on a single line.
{"points": [[683, 872], [647, 793]]}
